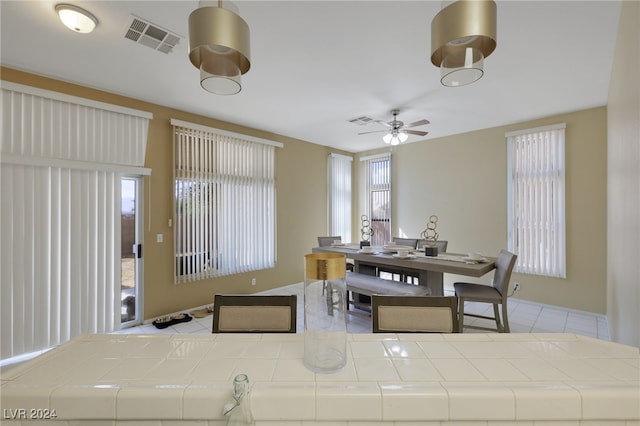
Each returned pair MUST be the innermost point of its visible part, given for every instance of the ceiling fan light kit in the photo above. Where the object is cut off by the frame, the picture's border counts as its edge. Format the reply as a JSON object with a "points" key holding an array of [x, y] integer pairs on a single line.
{"points": [[219, 47], [463, 34], [396, 132]]}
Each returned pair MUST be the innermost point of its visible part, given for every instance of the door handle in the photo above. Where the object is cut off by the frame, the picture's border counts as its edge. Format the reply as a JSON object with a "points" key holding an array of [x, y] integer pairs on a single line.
{"points": [[137, 251]]}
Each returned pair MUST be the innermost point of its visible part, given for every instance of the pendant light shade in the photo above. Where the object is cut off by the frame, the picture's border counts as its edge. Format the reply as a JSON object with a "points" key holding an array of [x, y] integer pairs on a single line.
{"points": [[219, 48], [463, 34]]}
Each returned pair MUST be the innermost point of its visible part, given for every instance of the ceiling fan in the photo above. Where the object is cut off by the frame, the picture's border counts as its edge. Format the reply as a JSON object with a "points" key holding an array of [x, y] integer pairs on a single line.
{"points": [[397, 131]]}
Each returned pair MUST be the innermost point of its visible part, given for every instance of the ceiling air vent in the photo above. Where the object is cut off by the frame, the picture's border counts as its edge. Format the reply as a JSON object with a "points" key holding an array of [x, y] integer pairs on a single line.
{"points": [[361, 121], [150, 35]]}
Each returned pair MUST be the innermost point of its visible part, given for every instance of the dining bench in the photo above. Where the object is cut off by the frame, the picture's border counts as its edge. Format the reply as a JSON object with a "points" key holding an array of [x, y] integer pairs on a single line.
{"points": [[368, 285]]}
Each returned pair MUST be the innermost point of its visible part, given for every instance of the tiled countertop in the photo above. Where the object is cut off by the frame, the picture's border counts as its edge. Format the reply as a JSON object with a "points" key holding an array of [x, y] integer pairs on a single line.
{"points": [[388, 378]]}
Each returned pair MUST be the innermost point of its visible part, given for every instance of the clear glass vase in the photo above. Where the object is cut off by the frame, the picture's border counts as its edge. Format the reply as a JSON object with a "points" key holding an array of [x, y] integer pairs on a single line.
{"points": [[325, 309], [240, 412]]}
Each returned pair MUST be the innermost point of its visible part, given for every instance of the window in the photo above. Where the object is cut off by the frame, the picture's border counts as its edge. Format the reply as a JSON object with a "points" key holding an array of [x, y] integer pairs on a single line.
{"points": [[339, 188], [224, 203], [536, 200], [376, 195]]}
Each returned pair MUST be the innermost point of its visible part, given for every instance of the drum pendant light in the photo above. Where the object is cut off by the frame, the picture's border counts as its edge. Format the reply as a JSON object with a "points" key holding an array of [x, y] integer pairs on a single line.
{"points": [[219, 48], [462, 35]]}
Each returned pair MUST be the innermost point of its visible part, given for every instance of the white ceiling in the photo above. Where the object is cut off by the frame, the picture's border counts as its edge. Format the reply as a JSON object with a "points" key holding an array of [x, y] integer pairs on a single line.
{"points": [[317, 64]]}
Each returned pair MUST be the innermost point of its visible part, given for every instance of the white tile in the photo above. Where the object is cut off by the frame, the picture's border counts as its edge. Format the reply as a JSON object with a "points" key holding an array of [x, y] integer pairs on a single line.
{"points": [[414, 401], [288, 370], [403, 349], [344, 400], [346, 374], [209, 370], [435, 349], [150, 402], [256, 369], [498, 370], [172, 370], [493, 349], [471, 401], [206, 401], [609, 400], [98, 402], [578, 369], [546, 401], [25, 396], [538, 369], [457, 370], [130, 369], [374, 369], [292, 350], [299, 401], [364, 349], [191, 349], [415, 369]]}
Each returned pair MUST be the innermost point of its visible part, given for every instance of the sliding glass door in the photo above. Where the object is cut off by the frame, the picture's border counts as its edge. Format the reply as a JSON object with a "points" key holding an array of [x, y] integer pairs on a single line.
{"points": [[131, 252]]}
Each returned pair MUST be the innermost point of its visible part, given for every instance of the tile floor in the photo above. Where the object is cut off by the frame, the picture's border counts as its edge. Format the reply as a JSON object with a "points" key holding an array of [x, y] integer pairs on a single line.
{"points": [[524, 317]]}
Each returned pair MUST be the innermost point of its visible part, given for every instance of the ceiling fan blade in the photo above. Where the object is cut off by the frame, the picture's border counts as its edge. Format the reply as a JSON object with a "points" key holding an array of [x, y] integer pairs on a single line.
{"points": [[375, 131], [416, 132], [418, 123], [384, 123]]}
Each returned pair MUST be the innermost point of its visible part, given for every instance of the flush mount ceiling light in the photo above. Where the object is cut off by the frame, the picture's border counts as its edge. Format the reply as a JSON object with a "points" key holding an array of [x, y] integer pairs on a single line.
{"points": [[462, 35], [76, 18], [219, 48]]}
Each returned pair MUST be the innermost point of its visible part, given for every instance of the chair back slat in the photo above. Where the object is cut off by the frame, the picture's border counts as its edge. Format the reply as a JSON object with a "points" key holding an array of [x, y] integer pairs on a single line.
{"points": [[254, 313], [414, 314], [504, 266]]}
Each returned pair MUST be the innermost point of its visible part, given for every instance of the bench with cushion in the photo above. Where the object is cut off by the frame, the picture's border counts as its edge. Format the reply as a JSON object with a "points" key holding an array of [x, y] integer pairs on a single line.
{"points": [[368, 285]]}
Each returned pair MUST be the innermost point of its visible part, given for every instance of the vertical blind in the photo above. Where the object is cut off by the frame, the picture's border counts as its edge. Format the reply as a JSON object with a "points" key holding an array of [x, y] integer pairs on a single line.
{"points": [[62, 158], [225, 200], [339, 199], [375, 196], [536, 200]]}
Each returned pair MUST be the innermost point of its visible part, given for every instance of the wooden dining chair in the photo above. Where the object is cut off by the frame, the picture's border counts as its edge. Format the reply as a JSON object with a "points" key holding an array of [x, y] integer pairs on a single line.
{"points": [[495, 294], [414, 314], [254, 313]]}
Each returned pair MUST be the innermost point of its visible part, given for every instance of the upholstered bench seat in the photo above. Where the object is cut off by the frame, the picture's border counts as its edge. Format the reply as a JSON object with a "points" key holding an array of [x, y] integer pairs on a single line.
{"points": [[368, 285]]}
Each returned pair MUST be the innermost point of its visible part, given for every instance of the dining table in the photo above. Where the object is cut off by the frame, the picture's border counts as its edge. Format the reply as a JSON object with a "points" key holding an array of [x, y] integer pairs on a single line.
{"points": [[430, 270]]}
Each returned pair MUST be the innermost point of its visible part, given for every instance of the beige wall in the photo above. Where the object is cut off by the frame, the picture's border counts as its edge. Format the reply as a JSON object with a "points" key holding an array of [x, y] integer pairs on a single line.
{"points": [[623, 277], [301, 205], [462, 180]]}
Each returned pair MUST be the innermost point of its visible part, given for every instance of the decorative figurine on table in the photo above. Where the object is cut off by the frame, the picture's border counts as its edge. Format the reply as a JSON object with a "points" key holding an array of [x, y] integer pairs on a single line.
{"points": [[365, 231], [430, 236]]}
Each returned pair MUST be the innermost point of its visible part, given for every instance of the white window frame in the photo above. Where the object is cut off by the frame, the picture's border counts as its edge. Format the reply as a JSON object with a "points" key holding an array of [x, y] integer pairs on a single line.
{"points": [[339, 195], [536, 200], [235, 230]]}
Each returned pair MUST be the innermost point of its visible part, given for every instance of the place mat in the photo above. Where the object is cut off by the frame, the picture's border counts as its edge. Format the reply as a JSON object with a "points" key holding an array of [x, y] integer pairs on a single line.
{"points": [[461, 259]]}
